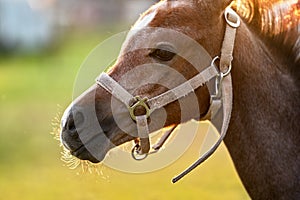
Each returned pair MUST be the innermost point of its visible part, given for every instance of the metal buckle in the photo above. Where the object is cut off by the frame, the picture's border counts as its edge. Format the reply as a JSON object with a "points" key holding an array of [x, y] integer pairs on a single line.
{"points": [[139, 102], [232, 18]]}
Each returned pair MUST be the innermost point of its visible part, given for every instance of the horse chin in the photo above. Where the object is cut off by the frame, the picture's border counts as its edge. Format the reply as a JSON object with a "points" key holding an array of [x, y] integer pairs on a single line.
{"points": [[93, 150], [83, 154], [96, 153]]}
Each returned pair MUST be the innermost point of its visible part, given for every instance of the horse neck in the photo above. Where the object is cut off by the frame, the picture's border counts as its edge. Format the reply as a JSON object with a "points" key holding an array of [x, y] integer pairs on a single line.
{"points": [[264, 134]]}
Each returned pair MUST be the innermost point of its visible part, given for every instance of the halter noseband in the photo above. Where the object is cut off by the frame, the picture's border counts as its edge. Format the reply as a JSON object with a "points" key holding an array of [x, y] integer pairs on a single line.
{"points": [[223, 95]]}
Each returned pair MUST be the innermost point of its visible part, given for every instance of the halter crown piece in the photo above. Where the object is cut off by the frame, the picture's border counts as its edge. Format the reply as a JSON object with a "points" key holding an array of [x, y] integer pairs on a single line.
{"points": [[222, 97]]}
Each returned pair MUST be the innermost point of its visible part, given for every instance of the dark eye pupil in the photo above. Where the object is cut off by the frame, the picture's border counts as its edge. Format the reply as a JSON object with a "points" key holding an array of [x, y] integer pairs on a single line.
{"points": [[163, 55]]}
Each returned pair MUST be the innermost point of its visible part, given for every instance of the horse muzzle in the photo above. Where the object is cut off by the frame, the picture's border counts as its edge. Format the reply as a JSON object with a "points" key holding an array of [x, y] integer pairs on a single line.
{"points": [[70, 135]]}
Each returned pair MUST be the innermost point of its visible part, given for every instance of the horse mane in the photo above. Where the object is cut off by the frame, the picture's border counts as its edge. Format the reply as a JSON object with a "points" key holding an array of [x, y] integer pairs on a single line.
{"points": [[274, 16], [276, 20]]}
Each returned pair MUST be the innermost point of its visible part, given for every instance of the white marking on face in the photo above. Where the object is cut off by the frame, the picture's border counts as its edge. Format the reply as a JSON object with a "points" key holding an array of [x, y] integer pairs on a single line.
{"points": [[145, 21]]}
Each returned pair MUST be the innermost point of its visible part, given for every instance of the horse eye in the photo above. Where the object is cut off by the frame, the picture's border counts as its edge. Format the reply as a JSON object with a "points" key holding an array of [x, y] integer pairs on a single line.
{"points": [[163, 55]]}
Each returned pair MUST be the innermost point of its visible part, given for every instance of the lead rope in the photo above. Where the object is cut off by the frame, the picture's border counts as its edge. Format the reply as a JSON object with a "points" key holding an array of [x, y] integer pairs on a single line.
{"points": [[233, 22], [227, 106]]}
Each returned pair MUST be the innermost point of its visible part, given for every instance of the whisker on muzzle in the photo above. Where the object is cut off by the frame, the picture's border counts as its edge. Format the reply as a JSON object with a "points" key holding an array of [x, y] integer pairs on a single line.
{"points": [[71, 161]]}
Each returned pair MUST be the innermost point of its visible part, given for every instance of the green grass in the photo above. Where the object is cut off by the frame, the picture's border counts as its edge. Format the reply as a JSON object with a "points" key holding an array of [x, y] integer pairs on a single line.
{"points": [[33, 89]]}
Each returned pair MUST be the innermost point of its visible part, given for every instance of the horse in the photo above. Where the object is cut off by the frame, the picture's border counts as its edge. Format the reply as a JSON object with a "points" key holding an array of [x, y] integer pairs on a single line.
{"points": [[263, 134]]}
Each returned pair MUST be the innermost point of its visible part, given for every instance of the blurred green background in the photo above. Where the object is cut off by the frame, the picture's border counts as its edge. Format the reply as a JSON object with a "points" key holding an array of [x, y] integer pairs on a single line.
{"points": [[36, 84]]}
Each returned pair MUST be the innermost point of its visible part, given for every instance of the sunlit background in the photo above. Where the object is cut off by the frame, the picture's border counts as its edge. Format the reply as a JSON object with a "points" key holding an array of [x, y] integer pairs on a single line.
{"points": [[42, 45]]}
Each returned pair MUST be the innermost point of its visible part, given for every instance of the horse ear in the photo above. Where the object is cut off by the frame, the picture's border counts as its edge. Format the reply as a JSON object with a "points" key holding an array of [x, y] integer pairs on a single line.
{"points": [[214, 5]]}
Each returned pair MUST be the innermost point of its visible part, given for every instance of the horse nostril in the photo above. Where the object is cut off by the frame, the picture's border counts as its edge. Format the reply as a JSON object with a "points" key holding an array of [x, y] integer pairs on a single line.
{"points": [[71, 128], [72, 120], [71, 124]]}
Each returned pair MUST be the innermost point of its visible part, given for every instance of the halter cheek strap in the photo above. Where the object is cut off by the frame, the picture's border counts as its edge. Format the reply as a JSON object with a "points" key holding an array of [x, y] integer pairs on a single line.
{"points": [[223, 94]]}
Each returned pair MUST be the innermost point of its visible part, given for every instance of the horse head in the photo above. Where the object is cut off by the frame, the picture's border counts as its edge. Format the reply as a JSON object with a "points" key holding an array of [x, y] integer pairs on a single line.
{"points": [[169, 44]]}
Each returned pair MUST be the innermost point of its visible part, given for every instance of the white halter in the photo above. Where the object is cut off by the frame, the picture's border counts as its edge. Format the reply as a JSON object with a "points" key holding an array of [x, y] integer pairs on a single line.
{"points": [[222, 97]]}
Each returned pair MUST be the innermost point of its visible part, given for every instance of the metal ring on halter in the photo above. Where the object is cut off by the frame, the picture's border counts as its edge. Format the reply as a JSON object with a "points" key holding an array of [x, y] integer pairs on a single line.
{"points": [[229, 14], [214, 60], [223, 74], [136, 154]]}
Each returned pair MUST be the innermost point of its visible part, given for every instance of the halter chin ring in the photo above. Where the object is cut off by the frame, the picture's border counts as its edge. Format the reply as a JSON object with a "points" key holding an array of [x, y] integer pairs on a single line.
{"points": [[139, 102], [135, 153]]}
